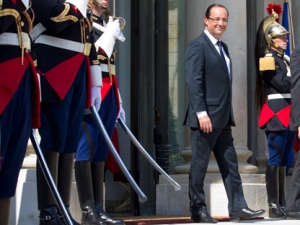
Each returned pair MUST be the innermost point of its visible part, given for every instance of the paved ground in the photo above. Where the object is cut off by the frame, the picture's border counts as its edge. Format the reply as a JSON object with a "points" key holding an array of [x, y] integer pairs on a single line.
{"points": [[264, 221], [177, 220]]}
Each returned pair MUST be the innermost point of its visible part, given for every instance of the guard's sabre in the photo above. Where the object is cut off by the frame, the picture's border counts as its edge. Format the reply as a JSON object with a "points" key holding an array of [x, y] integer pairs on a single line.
{"points": [[176, 186], [142, 196], [49, 179]]}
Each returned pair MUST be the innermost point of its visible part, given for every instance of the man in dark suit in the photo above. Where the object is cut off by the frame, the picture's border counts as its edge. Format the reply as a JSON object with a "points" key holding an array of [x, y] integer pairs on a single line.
{"points": [[293, 199], [210, 117]]}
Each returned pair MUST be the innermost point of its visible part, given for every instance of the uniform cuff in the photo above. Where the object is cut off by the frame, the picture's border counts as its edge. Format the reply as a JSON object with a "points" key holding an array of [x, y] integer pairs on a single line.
{"points": [[96, 76], [107, 43]]}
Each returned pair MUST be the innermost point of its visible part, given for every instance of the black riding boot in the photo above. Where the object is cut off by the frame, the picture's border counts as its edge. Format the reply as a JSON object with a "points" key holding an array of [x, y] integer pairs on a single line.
{"points": [[83, 176], [272, 183], [5, 211], [46, 201], [98, 179], [282, 185], [49, 216], [64, 181]]}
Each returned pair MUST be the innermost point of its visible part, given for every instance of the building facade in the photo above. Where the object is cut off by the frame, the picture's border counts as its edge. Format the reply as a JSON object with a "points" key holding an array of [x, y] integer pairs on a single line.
{"points": [[151, 72], [158, 33]]}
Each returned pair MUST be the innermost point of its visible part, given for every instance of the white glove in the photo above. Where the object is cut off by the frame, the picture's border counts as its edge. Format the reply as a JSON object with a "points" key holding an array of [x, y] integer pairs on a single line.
{"points": [[113, 27], [122, 114], [102, 29], [107, 39], [289, 73], [96, 97], [287, 58]]}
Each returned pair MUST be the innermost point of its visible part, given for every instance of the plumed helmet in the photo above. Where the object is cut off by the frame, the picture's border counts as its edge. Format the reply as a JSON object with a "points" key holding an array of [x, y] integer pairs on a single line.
{"points": [[273, 29]]}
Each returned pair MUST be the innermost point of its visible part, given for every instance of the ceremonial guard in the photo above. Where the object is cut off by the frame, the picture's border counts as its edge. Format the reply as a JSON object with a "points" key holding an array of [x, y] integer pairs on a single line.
{"points": [[70, 82], [20, 96], [274, 99], [92, 151]]}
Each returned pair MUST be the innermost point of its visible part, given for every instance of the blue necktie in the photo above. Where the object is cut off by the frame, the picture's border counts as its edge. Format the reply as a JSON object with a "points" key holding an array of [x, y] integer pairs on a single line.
{"points": [[222, 55]]}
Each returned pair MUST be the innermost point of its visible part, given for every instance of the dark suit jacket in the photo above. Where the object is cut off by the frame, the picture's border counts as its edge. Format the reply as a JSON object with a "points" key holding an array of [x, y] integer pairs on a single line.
{"points": [[295, 89], [208, 84]]}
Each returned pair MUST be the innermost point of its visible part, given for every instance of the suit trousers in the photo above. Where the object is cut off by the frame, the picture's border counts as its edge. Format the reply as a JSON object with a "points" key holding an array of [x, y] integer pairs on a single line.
{"points": [[219, 141]]}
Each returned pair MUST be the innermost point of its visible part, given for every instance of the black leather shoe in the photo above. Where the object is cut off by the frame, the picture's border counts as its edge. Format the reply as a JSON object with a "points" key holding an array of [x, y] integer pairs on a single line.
{"points": [[292, 215], [90, 216], [275, 211], [109, 220], [49, 216], [246, 214], [203, 218], [104, 216]]}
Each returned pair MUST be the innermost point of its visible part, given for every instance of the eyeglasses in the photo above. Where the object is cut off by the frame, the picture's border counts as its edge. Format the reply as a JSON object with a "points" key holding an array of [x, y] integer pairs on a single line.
{"points": [[217, 20]]}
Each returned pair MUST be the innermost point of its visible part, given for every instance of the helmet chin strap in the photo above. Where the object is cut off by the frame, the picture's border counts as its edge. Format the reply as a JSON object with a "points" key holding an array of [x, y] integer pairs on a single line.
{"points": [[277, 47]]}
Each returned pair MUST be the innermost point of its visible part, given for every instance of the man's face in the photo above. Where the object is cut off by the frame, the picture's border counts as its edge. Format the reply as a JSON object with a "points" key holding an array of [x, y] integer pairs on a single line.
{"points": [[216, 23], [281, 41]]}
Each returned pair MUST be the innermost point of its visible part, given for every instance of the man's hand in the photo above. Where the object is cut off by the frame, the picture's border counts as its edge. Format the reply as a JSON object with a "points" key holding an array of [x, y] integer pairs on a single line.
{"points": [[298, 132], [205, 124]]}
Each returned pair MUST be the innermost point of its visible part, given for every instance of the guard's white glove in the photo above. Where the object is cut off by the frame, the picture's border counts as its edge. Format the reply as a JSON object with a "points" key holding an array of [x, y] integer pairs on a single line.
{"points": [[108, 38], [113, 27], [122, 114], [96, 97], [102, 29], [287, 58], [289, 73]]}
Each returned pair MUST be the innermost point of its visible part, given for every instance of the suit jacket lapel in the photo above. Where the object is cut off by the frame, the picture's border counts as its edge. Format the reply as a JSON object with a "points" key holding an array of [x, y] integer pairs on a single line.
{"points": [[211, 46], [214, 50]]}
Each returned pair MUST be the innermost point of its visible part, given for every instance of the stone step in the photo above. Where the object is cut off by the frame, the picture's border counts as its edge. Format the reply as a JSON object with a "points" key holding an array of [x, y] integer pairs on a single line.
{"points": [[216, 199]]}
